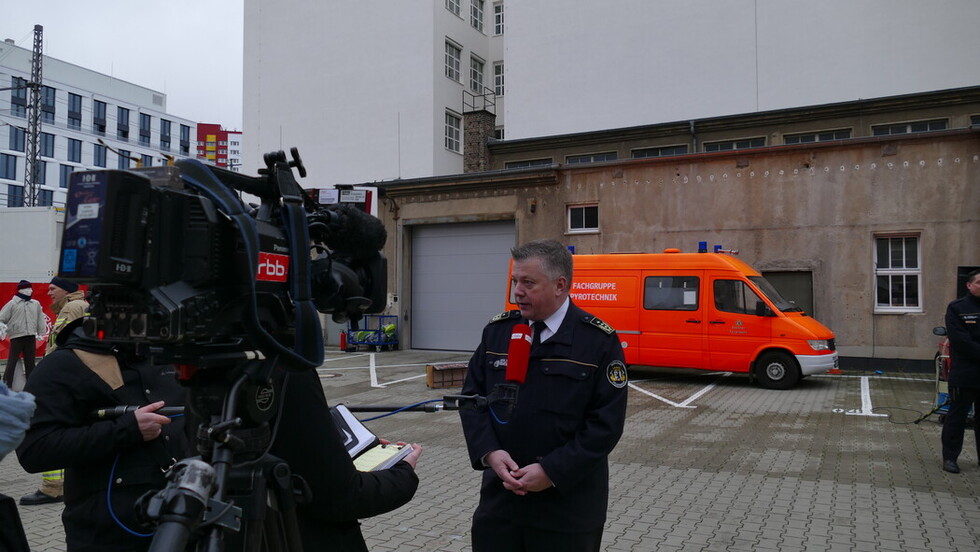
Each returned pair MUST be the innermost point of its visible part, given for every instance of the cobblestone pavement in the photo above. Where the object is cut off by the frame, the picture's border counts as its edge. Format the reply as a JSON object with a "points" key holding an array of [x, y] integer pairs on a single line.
{"points": [[709, 461]]}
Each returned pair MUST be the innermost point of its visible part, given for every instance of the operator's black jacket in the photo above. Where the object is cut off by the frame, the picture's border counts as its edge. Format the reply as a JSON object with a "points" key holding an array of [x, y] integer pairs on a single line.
{"points": [[63, 434], [310, 442], [569, 416], [963, 329]]}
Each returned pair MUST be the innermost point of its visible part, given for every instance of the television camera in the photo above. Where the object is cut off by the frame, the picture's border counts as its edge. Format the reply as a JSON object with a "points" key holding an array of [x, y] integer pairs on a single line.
{"points": [[179, 268], [176, 261]]}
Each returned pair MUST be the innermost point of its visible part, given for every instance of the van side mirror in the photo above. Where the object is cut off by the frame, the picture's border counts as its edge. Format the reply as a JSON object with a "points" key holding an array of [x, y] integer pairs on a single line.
{"points": [[939, 330], [762, 309]]}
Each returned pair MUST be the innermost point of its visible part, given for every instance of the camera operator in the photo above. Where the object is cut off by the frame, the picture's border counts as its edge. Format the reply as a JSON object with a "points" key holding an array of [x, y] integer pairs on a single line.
{"points": [[310, 442], [108, 464]]}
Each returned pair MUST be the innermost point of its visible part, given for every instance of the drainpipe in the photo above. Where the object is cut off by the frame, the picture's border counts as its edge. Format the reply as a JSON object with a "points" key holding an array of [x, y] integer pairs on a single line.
{"points": [[694, 139]]}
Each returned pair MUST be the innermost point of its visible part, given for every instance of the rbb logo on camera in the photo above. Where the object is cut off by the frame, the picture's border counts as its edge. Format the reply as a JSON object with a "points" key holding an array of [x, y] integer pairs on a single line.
{"points": [[272, 267]]}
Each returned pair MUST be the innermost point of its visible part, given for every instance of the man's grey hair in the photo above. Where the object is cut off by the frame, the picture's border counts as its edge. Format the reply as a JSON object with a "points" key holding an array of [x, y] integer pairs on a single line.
{"points": [[556, 259]]}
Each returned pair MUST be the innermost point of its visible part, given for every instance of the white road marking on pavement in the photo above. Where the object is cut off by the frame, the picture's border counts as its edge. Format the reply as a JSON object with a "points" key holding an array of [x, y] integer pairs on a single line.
{"points": [[866, 408], [686, 403]]}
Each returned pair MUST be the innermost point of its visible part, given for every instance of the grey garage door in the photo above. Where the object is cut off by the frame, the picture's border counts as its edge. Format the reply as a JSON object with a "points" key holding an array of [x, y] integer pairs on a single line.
{"points": [[459, 281]]}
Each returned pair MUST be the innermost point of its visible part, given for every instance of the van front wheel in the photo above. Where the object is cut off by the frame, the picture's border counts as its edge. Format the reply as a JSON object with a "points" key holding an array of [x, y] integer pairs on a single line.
{"points": [[776, 370]]}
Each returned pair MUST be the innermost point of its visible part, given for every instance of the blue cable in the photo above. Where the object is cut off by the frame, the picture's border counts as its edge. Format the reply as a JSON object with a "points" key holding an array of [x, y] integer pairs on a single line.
{"points": [[402, 409], [108, 498]]}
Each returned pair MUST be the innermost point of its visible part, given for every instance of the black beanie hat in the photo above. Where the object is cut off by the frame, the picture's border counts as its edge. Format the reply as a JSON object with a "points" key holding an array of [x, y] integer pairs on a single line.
{"points": [[23, 284], [69, 286]]}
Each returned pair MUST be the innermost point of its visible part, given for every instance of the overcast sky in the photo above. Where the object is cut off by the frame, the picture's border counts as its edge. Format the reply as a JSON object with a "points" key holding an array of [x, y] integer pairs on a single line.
{"points": [[191, 50]]}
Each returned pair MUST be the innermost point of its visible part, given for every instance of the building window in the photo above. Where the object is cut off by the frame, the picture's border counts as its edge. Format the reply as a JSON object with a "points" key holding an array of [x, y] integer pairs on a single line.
{"points": [[454, 124], [827, 136], [185, 140], [17, 135], [910, 127], [528, 163], [498, 78], [98, 155], [98, 117], [122, 124], [18, 97], [591, 158], [47, 104], [476, 14], [583, 218], [74, 111], [498, 18], [453, 54], [45, 198], [898, 282], [74, 150], [41, 174], [47, 145], [453, 6], [15, 195], [974, 120], [164, 135], [730, 145], [145, 121], [8, 166], [65, 175], [663, 151], [124, 159], [498, 133], [476, 75]]}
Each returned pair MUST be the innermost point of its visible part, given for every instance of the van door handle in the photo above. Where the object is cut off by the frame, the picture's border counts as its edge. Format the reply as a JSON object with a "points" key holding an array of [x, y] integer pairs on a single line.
{"points": [[692, 321], [717, 322]]}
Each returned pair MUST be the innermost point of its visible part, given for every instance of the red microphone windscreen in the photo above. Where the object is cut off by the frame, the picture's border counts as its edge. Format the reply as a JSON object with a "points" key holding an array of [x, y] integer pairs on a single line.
{"points": [[518, 353]]}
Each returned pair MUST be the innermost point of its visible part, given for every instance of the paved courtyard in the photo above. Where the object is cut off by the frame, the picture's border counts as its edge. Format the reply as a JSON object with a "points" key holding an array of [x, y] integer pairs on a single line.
{"points": [[709, 461]]}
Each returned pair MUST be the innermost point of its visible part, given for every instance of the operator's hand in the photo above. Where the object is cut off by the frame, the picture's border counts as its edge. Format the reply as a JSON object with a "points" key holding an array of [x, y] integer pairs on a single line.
{"points": [[504, 466], [413, 456], [533, 478], [150, 423]]}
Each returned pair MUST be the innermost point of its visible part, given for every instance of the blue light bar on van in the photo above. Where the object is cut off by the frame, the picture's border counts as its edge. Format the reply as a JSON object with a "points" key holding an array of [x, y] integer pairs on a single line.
{"points": [[702, 247]]}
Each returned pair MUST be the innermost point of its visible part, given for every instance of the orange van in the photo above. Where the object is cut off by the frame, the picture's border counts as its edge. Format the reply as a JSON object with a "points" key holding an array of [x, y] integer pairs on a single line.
{"points": [[702, 310]]}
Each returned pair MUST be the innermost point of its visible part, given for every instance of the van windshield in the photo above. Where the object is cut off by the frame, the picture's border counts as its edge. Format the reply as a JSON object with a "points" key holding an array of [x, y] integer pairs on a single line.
{"points": [[766, 288]]}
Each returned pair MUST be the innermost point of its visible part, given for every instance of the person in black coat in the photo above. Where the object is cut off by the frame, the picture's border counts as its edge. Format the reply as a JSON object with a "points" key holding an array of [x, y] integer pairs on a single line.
{"points": [[108, 463], [963, 329], [545, 464], [310, 442]]}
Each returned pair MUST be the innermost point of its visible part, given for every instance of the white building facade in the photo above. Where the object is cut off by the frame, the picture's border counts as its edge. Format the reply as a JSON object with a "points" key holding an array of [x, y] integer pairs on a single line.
{"points": [[80, 108], [371, 90]]}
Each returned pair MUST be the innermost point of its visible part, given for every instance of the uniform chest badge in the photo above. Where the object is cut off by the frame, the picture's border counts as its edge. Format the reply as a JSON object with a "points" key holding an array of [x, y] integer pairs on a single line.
{"points": [[616, 374]]}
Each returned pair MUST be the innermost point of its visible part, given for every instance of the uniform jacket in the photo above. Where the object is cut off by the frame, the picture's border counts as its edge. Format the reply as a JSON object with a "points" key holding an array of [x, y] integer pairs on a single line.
{"points": [[23, 318], [64, 434], [963, 329], [310, 442], [67, 309], [569, 416]]}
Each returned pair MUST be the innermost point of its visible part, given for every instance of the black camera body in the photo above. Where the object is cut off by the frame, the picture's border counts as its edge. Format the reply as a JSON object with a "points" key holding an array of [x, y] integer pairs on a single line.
{"points": [[176, 261]]}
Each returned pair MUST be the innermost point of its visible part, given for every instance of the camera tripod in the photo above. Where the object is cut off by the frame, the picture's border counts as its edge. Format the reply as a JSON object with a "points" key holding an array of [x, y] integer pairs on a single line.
{"points": [[242, 497]]}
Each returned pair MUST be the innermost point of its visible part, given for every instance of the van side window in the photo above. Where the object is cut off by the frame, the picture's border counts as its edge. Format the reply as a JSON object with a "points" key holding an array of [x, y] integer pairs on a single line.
{"points": [[735, 296], [670, 293]]}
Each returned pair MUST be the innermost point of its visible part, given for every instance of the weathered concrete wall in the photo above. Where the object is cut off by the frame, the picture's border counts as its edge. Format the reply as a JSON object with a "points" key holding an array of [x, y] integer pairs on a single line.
{"points": [[816, 208]]}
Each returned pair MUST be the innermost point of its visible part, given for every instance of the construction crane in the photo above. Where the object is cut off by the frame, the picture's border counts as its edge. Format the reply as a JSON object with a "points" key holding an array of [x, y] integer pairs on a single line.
{"points": [[33, 165]]}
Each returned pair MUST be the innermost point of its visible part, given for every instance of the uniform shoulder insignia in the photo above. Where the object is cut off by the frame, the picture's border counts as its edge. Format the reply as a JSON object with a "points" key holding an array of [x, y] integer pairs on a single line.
{"points": [[598, 323], [505, 316]]}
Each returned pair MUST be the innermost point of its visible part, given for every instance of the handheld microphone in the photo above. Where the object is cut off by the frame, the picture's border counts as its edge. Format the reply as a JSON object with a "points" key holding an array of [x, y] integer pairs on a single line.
{"points": [[518, 353]]}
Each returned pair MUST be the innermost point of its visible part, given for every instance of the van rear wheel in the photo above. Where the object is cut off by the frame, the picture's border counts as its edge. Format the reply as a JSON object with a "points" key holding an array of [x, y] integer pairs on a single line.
{"points": [[777, 370]]}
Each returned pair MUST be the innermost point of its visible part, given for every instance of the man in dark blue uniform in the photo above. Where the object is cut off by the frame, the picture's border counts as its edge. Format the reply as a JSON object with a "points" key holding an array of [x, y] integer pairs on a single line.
{"points": [[963, 329], [547, 486]]}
